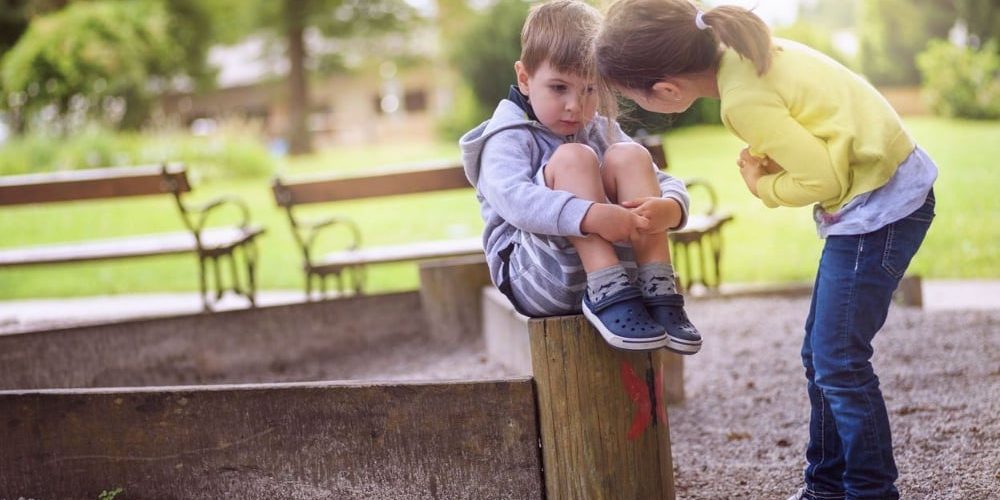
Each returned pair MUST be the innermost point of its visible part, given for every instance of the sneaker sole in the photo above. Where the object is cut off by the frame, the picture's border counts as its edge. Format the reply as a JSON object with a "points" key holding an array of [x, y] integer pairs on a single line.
{"points": [[685, 347], [625, 343]]}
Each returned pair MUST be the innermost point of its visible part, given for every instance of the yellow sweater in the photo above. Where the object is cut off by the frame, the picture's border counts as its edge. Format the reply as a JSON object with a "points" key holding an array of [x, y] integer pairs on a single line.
{"points": [[833, 133]]}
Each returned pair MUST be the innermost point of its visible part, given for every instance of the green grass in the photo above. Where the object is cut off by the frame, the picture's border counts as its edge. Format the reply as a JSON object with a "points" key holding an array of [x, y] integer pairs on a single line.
{"points": [[762, 245]]}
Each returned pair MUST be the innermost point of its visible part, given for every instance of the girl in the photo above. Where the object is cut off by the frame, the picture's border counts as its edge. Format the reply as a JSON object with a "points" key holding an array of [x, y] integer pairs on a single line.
{"points": [[818, 135]]}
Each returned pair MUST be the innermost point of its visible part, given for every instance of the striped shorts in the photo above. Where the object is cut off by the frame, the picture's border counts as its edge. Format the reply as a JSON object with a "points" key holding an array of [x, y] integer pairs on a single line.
{"points": [[543, 274]]}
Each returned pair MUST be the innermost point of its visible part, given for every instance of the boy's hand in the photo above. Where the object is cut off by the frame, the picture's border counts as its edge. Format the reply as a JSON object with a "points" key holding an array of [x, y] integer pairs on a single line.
{"points": [[612, 222], [663, 213]]}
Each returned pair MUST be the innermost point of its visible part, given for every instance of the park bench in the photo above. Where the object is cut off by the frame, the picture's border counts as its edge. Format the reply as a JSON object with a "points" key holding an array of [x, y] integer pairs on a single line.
{"points": [[349, 264], [702, 234], [210, 244]]}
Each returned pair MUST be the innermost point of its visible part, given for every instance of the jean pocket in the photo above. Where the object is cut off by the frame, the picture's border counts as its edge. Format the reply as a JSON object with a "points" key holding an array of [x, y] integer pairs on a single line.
{"points": [[903, 239]]}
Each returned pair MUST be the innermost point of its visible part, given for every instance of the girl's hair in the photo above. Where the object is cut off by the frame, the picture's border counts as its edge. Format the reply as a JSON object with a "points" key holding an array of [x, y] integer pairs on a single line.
{"points": [[562, 33], [644, 41]]}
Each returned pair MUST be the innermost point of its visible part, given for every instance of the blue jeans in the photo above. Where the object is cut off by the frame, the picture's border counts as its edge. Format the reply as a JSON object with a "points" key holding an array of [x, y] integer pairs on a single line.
{"points": [[850, 447]]}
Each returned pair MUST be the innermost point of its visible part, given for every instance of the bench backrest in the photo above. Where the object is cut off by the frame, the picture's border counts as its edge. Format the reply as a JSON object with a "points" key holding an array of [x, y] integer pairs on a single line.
{"points": [[417, 179], [112, 182]]}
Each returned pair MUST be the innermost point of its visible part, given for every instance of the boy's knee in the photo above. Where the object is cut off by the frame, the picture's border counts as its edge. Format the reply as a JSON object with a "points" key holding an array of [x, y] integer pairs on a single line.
{"points": [[573, 157], [627, 155]]}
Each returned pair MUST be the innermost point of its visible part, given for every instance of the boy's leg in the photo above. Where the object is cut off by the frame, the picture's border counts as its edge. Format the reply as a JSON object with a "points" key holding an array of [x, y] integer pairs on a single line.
{"points": [[627, 175], [612, 303], [857, 277], [575, 168]]}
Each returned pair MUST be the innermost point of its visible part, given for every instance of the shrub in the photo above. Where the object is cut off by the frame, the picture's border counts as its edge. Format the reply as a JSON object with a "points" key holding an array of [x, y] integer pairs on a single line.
{"points": [[229, 153], [960, 81]]}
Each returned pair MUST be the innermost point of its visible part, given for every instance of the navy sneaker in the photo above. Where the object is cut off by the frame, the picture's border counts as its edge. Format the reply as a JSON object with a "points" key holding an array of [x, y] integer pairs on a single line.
{"points": [[622, 319], [668, 311]]}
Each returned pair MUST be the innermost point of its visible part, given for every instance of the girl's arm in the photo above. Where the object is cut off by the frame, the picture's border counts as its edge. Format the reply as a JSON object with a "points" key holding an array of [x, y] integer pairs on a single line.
{"points": [[808, 174]]}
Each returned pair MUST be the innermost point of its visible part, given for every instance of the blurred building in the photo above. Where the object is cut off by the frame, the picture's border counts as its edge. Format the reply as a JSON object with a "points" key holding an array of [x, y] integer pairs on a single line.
{"points": [[372, 102]]}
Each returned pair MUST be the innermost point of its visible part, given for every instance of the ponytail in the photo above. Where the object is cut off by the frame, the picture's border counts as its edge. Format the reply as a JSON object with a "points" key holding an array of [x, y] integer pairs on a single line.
{"points": [[644, 41], [744, 32]]}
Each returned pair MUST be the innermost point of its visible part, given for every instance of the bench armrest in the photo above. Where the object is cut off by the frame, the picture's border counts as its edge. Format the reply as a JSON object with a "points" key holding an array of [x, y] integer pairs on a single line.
{"points": [[697, 182], [307, 232], [202, 211]]}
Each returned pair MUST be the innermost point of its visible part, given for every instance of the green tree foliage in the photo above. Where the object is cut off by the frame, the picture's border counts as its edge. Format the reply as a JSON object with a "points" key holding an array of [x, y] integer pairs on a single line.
{"points": [[92, 50], [982, 18], [106, 57], [486, 52], [893, 32], [961, 81]]}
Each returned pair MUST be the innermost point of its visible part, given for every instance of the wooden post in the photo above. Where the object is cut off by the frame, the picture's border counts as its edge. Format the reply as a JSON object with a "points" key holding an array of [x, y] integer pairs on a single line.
{"points": [[602, 418], [671, 365], [910, 291], [450, 293]]}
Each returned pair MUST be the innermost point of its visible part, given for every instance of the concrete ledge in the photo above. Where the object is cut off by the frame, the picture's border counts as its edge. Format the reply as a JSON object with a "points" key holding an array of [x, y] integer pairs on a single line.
{"points": [[505, 332], [223, 347], [385, 442]]}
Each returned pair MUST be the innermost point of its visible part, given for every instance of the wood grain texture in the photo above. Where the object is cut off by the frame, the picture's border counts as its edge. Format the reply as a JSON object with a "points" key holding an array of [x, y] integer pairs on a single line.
{"points": [[385, 442], [590, 398]]}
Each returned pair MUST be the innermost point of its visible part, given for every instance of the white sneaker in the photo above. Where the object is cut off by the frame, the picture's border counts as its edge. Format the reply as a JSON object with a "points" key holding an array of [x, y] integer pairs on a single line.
{"points": [[798, 496]]}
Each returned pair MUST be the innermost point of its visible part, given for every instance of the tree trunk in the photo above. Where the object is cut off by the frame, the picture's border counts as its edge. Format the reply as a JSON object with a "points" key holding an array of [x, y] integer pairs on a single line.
{"points": [[299, 140]]}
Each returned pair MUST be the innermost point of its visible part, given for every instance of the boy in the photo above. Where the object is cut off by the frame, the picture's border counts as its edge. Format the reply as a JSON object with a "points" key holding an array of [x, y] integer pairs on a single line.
{"points": [[576, 213]]}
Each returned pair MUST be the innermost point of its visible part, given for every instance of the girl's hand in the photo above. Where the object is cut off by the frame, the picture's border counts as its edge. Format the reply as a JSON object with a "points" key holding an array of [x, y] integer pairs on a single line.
{"points": [[752, 169], [663, 213]]}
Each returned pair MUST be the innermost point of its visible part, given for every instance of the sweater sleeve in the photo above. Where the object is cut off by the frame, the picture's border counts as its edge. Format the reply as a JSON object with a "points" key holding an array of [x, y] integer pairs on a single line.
{"points": [[506, 181], [763, 121]]}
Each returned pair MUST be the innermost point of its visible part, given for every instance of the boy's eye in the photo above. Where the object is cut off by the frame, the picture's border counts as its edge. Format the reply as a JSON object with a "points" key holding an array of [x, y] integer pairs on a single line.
{"points": [[558, 87]]}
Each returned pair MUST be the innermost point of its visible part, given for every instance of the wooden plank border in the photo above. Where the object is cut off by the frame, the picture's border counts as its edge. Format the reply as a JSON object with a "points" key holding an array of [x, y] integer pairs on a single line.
{"points": [[327, 440]]}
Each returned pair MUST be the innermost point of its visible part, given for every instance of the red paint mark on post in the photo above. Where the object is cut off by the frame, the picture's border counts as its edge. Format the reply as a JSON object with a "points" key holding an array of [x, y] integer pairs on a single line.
{"points": [[638, 392]]}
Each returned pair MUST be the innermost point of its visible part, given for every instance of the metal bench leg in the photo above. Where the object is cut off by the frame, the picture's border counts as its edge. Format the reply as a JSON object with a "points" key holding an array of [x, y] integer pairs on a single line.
{"points": [[203, 282]]}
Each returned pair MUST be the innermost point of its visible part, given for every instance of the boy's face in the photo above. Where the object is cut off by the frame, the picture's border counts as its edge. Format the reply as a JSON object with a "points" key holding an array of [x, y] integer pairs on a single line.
{"points": [[563, 102]]}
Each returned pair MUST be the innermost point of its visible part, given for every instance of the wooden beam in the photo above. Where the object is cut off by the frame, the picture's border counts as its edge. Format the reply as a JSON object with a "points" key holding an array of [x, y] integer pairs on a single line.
{"points": [[321, 440], [602, 416]]}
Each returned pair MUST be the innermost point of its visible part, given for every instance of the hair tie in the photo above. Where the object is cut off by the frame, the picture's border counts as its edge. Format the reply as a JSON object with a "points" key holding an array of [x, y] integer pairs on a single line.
{"points": [[699, 22]]}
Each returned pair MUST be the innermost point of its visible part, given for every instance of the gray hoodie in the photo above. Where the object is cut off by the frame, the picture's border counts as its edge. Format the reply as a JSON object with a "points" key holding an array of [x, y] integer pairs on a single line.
{"points": [[501, 157]]}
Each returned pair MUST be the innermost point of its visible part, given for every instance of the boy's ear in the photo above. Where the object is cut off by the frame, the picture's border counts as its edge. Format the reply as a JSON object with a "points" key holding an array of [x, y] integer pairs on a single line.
{"points": [[522, 77]]}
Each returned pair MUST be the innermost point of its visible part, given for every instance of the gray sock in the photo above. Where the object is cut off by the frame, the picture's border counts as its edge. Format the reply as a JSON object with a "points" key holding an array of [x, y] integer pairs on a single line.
{"points": [[656, 278], [607, 281]]}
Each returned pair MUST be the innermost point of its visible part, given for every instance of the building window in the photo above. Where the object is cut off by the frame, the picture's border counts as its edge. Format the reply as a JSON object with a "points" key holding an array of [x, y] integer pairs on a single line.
{"points": [[415, 101]]}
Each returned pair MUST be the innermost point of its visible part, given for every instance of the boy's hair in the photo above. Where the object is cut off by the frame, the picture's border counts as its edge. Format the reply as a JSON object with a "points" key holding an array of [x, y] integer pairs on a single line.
{"points": [[561, 32], [644, 41]]}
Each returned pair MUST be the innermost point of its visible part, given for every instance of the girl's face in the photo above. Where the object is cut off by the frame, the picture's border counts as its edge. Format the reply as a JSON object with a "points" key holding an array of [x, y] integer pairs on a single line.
{"points": [[563, 102], [663, 98]]}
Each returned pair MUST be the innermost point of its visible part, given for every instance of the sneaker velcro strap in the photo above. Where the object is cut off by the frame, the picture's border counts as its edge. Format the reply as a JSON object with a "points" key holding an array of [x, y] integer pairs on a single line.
{"points": [[623, 295], [674, 300]]}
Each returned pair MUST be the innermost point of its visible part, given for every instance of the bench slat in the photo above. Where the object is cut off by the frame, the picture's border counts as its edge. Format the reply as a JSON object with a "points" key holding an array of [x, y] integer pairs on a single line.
{"points": [[133, 246], [90, 184], [450, 176], [403, 253]]}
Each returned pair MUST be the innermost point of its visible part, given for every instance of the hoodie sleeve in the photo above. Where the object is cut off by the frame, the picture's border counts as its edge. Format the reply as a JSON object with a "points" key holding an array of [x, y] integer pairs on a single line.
{"points": [[506, 181]]}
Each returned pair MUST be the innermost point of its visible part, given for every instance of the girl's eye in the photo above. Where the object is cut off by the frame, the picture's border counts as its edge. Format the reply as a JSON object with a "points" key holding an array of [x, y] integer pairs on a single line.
{"points": [[589, 90]]}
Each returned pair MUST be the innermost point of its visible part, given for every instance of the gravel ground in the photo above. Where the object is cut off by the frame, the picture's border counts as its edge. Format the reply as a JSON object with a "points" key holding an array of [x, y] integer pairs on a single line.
{"points": [[742, 431]]}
